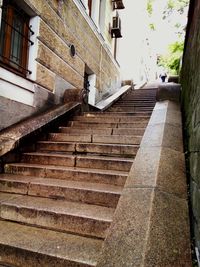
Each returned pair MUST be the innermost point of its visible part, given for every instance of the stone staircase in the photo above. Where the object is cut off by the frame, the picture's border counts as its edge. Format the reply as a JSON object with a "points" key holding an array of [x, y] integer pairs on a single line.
{"points": [[57, 203]]}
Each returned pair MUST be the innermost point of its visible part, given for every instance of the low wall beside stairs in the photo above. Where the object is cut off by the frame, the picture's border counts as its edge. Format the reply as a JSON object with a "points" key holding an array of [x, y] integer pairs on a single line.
{"points": [[151, 223]]}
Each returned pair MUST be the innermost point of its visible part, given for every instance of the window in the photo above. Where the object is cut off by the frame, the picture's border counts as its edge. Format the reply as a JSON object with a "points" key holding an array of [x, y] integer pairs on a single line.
{"points": [[90, 7], [14, 38]]}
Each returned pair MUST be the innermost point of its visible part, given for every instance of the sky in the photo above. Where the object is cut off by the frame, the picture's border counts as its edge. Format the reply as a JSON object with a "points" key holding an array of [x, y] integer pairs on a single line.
{"points": [[135, 21], [133, 31]]}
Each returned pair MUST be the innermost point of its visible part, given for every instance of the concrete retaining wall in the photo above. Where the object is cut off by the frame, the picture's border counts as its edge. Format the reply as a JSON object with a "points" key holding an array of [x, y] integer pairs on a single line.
{"points": [[151, 222], [191, 107]]}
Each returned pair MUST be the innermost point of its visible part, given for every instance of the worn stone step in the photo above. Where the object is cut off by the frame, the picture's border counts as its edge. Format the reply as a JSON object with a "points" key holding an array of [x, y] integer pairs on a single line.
{"points": [[128, 131], [92, 124], [108, 131], [102, 114], [108, 119], [85, 192], [102, 125], [132, 125], [67, 147], [117, 139], [59, 159], [127, 105], [62, 215], [74, 130], [23, 246], [129, 109], [83, 161], [108, 149], [68, 173], [96, 138], [64, 137], [137, 100], [134, 107], [132, 119], [106, 163], [100, 149]]}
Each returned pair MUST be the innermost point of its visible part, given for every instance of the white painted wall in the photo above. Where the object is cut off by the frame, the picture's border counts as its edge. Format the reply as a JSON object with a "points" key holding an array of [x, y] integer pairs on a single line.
{"points": [[16, 88]]}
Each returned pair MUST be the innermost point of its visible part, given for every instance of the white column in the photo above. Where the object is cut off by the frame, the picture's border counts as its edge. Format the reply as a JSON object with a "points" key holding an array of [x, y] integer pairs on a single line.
{"points": [[95, 12]]}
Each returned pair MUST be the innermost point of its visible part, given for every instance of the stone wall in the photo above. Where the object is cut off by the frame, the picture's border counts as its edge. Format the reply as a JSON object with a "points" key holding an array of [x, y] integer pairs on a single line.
{"points": [[61, 25], [191, 106]]}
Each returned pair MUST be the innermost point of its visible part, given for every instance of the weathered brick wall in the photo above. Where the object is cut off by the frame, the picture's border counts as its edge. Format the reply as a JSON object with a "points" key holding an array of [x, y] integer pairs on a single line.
{"points": [[191, 106], [61, 25]]}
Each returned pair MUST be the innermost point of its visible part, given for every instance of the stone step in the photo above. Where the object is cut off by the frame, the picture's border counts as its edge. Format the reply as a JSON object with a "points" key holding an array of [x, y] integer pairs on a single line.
{"points": [[129, 109], [63, 137], [108, 131], [110, 149], [117, 139], [68, 173], [96, 138], [136, 102], [99, 149], [23, 246], [140, 98], [57, 159], [85, 192], [106, 163], [128, 131], [43, 146], [73, 130], [120, 114], [62, 215], [126, 105], [134, 106], [107, 125], [108, 119], [83, 161]]}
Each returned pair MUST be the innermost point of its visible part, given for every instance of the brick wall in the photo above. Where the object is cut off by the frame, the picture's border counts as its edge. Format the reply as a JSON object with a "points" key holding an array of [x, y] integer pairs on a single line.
{"points": [[191, 106]]}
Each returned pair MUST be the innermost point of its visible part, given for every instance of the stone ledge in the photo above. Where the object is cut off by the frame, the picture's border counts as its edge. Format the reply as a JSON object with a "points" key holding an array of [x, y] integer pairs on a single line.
{"points": [[169, 91], [159, 167], [151, 223], [163, 134], [10, 138], [106, 103]]}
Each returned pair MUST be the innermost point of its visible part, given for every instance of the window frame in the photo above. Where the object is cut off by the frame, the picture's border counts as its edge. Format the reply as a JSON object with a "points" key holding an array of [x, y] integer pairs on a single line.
{"points": [[11, 10]]}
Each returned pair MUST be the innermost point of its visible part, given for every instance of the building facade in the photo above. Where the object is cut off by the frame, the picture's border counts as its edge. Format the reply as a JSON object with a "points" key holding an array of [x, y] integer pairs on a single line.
{"points": [[48, 46]]}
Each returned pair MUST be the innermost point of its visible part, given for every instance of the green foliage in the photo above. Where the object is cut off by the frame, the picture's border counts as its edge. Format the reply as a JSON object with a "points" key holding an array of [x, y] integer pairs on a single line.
{"points": [[152, 26], [171, 61], [150, 7], [175, 5]]}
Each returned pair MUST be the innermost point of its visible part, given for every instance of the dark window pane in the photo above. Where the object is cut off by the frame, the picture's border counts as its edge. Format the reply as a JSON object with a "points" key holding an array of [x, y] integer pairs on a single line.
{"points": [[2, 33], [16, 41]]}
